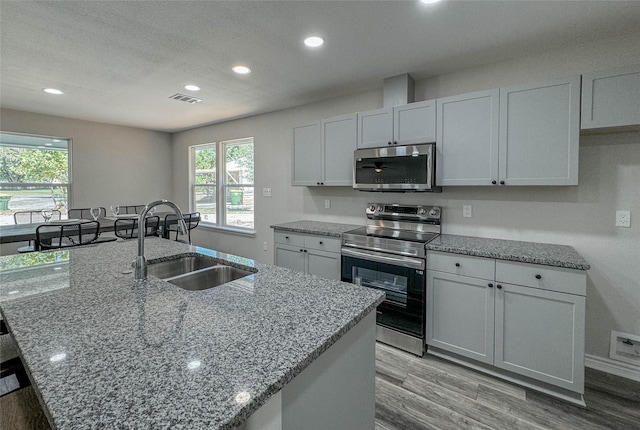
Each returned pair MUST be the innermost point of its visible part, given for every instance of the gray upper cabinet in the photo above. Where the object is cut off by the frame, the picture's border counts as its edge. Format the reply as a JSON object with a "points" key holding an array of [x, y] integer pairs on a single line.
{"points": [[611, 99], [307, 154], [400, 125], [339, 137], [323, 152], [539, 133], [467, 139]]}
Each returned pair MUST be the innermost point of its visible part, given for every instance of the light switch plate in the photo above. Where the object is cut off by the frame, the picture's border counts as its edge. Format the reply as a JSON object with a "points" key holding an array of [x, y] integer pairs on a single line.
{"points": [[623, 218], [467, 211], [266, 192]]}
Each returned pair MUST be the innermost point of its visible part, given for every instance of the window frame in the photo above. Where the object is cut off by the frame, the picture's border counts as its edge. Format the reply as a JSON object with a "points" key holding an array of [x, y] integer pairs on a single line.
{"points": [[68, 184], [221, 185]]}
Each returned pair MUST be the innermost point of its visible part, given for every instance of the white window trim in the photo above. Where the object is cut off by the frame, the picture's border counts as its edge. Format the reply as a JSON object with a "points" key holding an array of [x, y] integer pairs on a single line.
{"points": [[220, 186]]}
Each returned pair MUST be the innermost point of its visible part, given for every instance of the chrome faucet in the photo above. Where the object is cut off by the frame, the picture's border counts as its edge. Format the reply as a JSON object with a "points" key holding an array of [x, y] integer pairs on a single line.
{"points": [[140, 263]]}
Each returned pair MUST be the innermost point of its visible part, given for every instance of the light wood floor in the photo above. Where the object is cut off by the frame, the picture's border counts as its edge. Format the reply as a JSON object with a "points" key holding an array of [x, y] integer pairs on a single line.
{"points": [[431, 393]]}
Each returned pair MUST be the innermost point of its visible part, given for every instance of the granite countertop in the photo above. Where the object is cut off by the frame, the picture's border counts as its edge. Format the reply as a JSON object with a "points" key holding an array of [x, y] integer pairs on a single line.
{"points": [[511, 250], [107, 351], [316, 227]]}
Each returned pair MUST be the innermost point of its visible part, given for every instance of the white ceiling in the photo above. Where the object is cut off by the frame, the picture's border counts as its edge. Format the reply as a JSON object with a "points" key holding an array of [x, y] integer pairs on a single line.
{"points": [[119, 61]]}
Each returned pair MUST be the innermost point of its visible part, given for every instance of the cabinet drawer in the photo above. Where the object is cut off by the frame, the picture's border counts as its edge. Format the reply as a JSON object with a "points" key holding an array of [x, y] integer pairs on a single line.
{"points": [[323, 243], [558, 279], [466, 265], [289, 238]]}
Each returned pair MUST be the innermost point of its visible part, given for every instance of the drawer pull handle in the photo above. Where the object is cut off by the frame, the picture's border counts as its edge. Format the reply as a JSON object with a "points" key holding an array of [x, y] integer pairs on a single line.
{"points": [[499, 286], [490, 285], [538, 276], [457, 264]]}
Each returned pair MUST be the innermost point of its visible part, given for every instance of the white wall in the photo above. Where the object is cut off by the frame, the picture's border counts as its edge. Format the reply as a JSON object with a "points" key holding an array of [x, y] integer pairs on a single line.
{"points": [[110, 164], [581, 216]]}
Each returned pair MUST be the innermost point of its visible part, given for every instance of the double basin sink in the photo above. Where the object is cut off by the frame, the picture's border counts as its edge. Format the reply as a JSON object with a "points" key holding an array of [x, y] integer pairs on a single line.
{"points": [[196, 272]]}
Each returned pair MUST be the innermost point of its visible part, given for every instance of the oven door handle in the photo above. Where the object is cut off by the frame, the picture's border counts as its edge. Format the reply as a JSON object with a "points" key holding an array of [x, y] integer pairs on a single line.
{"points": [[411, 263]]}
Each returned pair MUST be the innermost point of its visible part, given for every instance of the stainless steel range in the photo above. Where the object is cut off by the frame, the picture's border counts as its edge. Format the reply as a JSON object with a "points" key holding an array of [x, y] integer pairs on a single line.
{"points": [[390, 254]]}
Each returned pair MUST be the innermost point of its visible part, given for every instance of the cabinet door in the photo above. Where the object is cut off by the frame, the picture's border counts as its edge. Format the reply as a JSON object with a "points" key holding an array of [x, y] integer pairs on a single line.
{"points": [[323, 264], [307, 155], [291, 257], [375, 128], [539, 131], [339, 136], [611, 98], [540, 334], [467, 139], [460, 315], [414, 123]]}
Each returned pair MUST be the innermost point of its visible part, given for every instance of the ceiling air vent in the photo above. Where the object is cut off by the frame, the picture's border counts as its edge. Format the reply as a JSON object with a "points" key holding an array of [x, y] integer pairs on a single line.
{"points": [[184, 98]]}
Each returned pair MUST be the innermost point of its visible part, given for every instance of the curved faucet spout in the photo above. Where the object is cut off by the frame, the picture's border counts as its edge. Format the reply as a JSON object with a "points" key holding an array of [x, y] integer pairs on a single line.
{"points": [[140, 263]]}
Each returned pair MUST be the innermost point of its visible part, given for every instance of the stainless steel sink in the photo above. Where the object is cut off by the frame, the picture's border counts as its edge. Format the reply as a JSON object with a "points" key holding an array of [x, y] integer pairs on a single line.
{"points": [[180, 265], [209, 277], [195, 272]]}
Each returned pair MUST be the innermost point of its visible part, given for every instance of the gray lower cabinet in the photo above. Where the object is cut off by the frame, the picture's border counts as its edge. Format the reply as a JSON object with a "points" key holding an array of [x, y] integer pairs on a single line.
{"points": [[524, 318], [308, 253]]}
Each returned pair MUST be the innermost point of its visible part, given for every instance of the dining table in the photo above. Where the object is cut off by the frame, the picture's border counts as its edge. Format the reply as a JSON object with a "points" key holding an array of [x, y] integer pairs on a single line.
{"points": [[27, 232]]}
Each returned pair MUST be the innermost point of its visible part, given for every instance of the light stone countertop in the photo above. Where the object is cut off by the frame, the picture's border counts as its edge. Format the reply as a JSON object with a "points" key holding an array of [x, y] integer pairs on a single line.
{"points": [[105, 351], [510, 250], [331, 229]]}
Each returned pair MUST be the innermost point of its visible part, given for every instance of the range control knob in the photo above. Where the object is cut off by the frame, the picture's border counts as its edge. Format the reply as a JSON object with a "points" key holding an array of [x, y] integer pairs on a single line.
{"points": [[422, 211], [372, 208], [434, 212], [380, 208]]}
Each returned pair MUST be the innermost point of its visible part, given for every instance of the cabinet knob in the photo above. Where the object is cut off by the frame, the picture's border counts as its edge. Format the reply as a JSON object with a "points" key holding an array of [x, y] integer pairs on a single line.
{"points": [[538, 276], [501, 182], [457, 264], [320, 242], [304, 250], [490, 285], [286, 237], [301, 250], [321, 183], [317, 183], [499, 286], [395, 143], [388, 143], [493, 182]]}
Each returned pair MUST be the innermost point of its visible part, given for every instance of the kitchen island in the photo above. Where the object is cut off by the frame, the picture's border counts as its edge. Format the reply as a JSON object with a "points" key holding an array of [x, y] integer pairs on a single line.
{"points": [[275, 349]]}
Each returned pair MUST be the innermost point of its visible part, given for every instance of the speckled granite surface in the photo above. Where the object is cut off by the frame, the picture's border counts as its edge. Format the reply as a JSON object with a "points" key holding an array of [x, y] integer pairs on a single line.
{"points": [[106, 351], [316, 227], [511, 250]]}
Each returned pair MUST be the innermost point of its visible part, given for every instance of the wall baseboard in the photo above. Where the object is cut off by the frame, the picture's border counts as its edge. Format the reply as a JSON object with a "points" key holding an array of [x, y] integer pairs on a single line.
{"points": [[614, 367]]}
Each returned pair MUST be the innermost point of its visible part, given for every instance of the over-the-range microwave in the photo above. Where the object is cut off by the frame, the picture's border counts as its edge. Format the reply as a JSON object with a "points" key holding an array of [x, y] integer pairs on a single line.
{"points": [[396, 168]]}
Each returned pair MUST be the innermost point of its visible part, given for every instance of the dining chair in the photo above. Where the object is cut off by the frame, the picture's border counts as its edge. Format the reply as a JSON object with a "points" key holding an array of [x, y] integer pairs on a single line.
{"points": [[66, 234], [128, 228], [131, 209], [30, 217], [85, 213], [171, 225]]}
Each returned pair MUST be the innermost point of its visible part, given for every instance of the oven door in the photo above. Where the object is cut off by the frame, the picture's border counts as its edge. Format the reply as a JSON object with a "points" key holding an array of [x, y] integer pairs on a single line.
{"points": [[401, 278]]}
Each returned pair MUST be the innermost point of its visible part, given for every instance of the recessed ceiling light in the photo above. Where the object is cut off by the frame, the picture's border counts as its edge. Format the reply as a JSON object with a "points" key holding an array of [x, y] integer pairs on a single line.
{"points": [[241, 70], [48, 144], [192, 87], [430, 1], [52, 91], [313, 41]]}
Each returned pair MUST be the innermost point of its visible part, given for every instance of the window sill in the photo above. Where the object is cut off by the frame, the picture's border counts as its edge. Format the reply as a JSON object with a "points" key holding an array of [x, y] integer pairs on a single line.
{"points": [[238, 231]]}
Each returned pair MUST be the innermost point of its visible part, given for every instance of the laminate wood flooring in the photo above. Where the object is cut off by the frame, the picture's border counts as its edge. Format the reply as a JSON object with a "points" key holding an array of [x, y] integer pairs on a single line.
{"points": [[432, 393]]}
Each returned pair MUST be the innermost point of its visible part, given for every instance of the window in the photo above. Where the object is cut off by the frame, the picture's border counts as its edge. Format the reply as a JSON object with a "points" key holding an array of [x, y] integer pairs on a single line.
{"points": [[34, 174], [222, 183]]}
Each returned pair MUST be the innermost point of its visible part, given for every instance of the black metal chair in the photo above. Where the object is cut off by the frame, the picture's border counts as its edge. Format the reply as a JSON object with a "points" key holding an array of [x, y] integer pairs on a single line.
{"points": [[131, 209], [85, 213], [171, 225], [128, 228], [30, 217], [66, 234]]}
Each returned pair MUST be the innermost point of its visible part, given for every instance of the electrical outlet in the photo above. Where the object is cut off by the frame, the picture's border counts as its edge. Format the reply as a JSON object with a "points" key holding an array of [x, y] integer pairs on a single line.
{"points": [[623, 219], [467, 211], [265, 246], [266, 192], [327, 204], [625, 347]]}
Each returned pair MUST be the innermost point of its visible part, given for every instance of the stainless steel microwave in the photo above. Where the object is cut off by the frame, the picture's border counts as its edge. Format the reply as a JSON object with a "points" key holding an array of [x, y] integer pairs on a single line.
{"points": [[396, 168]]}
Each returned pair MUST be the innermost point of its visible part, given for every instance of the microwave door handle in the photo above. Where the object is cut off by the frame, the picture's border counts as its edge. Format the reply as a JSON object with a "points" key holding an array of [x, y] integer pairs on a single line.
{"points": [[411, 263]]}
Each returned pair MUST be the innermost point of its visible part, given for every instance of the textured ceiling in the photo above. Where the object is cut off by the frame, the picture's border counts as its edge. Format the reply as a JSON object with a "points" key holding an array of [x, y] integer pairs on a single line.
{"points": [[119, 61]]}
